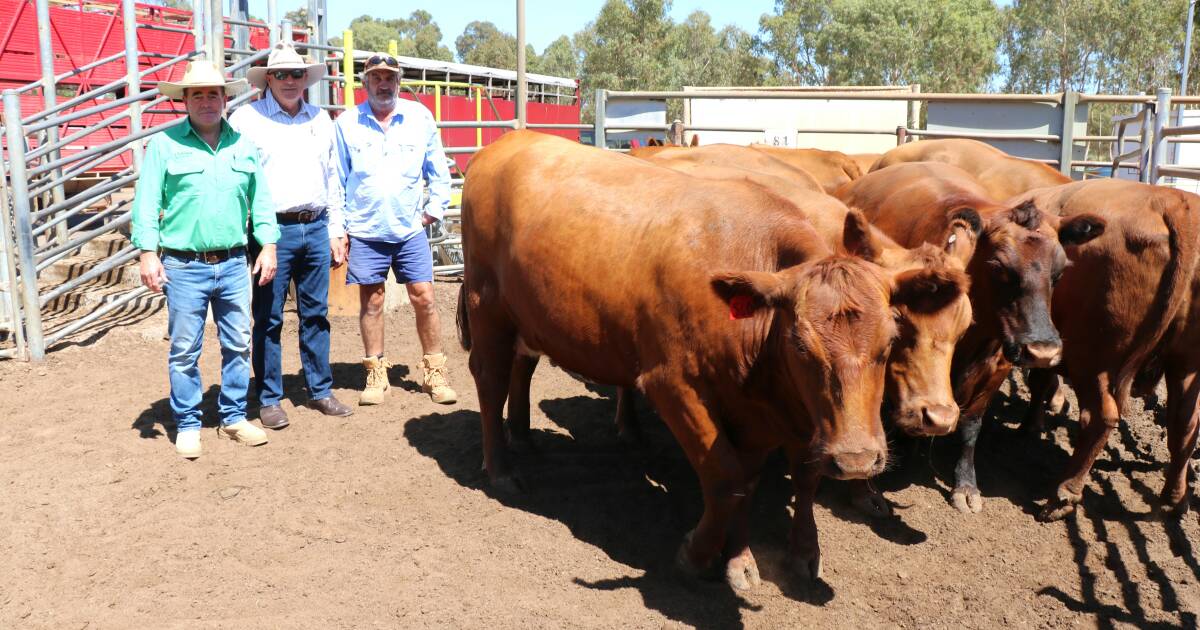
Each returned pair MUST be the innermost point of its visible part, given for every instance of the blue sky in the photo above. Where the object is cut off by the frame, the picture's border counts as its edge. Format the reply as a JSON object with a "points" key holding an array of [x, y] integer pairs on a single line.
{"points": [[545, 20]]}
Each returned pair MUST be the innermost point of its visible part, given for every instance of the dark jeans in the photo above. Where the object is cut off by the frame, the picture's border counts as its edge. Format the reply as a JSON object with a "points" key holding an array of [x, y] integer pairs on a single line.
{"points": [[303, 255]]}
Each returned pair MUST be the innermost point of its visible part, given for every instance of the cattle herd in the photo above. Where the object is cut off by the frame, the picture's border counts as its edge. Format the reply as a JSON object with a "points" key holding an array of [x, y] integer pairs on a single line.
{"points": [[804, 300]]}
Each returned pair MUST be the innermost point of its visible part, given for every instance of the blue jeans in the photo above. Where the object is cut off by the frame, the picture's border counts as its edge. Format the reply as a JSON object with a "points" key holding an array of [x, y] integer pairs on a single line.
{"points": [[302, 254], [191, 287]]}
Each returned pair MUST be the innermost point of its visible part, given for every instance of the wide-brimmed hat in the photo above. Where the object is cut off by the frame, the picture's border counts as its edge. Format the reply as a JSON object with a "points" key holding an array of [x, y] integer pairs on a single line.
{"points": [[284, 57], [201, 73]]}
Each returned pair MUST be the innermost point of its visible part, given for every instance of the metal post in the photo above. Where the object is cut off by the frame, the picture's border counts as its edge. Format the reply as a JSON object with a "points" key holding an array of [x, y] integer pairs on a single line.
{"points": [[1161, 113], [50, 99], [133, 80], [522, 84], [914, 108], [1066, 135], [1144, 143], [316, 35], [393, 48], [273, 21], [599, 138], [348, 68], [240, 10], [23, 225], [901, 135], [1183, 79], [10, 300], [285, 31], [199, 24], [216, 34]]}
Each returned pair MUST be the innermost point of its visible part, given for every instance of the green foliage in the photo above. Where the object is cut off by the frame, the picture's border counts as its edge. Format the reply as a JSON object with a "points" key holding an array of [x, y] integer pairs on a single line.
{"points": [[416, 36], [944, 45]]}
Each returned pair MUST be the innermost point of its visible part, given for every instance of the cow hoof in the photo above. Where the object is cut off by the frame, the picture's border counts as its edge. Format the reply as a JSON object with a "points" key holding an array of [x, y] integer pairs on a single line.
{"points": [[967, 500], [1169, 510], [741, 571], [872, 504], [508, 485], [1056, 510], [691, 571], [807, 568]]}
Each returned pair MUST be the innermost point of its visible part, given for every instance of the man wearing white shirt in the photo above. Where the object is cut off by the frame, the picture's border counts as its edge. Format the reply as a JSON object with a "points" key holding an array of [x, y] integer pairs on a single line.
{"points": [[297, 147]]}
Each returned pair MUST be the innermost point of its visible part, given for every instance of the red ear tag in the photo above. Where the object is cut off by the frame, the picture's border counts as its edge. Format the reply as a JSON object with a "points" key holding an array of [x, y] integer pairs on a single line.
{"points": [[741, 307]]}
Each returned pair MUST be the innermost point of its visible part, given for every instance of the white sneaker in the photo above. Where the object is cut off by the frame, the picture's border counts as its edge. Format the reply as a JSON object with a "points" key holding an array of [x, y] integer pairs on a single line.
{"points": [[246, 433], [187, 444]]}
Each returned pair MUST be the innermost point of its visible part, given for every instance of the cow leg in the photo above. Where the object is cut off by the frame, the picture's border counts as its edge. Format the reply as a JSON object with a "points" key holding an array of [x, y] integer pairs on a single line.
{"points": [[867, 500], [1043, 386], [804, 549], [716, 464], [629, 430], [518, 402], [491, 362], [1103, 414], [966, 497], [1183, 389], [741, 569]]}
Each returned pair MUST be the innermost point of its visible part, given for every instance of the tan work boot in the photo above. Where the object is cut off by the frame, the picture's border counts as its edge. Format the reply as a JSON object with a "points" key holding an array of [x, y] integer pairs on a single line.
{"points": [[434, 382], [377, 381]]}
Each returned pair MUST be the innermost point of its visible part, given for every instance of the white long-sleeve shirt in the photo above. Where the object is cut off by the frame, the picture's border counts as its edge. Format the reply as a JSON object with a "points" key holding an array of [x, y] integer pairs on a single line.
{"points": [[298, 155]]}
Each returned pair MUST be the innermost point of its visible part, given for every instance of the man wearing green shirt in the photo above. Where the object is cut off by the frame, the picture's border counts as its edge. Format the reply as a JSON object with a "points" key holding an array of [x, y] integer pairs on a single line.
{"points": [[200, 183]]}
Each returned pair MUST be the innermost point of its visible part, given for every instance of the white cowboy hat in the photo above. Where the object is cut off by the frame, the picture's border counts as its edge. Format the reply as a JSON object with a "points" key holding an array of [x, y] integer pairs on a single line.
{"points": [[201, 73], [284, 57]]}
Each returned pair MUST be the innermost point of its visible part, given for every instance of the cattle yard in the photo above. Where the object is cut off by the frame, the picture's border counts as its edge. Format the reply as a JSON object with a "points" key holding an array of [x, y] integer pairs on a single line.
{"points": [[1048, 506]]}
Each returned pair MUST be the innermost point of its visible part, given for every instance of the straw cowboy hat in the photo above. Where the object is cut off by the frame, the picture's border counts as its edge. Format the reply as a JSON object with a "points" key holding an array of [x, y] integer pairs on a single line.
{"points": [[201, 73], [284, 57]]}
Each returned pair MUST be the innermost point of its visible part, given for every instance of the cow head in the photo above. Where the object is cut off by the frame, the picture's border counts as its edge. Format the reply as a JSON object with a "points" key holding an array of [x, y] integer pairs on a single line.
{"points": [[1017, 263], [833, 331], [933, 311]]}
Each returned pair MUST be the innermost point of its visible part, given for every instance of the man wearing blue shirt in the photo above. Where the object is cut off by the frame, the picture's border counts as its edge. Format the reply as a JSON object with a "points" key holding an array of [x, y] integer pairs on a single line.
{"points": [[388, 149], [298, 151]]}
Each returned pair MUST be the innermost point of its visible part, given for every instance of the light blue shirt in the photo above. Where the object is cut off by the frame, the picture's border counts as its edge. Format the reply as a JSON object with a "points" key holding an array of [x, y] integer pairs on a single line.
{"points": [[298, 154], [383, 171]]}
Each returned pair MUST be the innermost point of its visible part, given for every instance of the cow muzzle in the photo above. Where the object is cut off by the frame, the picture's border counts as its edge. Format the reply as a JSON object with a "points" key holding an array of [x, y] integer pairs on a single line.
{"points": [[856, 464], [926, 419], [1036, 354]]}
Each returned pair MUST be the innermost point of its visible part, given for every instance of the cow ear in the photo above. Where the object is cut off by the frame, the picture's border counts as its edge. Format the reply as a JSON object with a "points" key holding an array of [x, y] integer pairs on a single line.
{"points": [[962, 234], [858, 238], [929, 289], [1080, 229], [1026, 215], [653, 142], [695, 141], [748, 292]]}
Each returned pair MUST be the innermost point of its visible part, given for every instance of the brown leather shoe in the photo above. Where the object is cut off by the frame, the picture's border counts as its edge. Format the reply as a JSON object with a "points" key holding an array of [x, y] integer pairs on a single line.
{"points": [[273, 417], [330, 406]]}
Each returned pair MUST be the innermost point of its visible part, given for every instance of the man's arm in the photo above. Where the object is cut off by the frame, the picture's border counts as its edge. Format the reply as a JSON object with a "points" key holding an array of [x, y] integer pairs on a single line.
{"points": [[147, 201], [335, 192], [266, 229], [437, 175]]}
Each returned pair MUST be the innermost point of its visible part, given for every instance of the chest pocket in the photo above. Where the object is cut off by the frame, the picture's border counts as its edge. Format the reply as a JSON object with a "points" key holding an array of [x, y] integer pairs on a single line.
{"points": [[405, 160], [186, 174]]}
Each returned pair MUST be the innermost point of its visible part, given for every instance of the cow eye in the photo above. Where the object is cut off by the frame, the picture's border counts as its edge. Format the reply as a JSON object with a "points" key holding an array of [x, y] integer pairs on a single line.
{"points": [[1002, 273]]}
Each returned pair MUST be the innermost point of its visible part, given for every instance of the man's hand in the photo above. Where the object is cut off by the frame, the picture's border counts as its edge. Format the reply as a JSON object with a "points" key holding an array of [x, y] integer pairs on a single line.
{"points": [[153, 274], [426, 219], [338, 247], [264, 267]]}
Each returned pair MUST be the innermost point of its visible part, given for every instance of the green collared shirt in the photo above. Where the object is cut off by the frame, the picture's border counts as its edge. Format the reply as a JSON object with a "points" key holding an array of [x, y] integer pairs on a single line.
{"points": [[205, 196]]}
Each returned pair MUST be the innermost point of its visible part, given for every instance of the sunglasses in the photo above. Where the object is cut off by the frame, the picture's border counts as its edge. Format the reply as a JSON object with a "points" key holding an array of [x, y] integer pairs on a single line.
{"points": [[384, 59], [298, 73]]}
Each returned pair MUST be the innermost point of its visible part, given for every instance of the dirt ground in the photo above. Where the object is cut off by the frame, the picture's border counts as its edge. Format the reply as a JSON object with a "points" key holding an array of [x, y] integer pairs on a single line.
{"points": [[383, 519]]}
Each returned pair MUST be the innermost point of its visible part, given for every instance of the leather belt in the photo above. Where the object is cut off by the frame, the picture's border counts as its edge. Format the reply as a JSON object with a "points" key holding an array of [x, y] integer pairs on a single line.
{"points": [[303, 216], [211, 257]]}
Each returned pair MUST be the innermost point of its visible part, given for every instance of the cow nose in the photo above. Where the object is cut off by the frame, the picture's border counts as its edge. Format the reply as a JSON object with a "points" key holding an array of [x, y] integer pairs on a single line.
{"points": [[939, 419], [1042, 354], [857, 465]]}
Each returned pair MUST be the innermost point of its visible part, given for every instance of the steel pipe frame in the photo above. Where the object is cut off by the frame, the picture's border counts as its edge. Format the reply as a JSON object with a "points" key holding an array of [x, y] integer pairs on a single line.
{"points": [[617, 95], [1161, 111], [108, 146], [49, 90], [24, 227], [88, 222], [169, 29], [86, 131], [103, 310], [9, 269], [87, 236], [44, 184], [114, 261], [84, 197]]}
